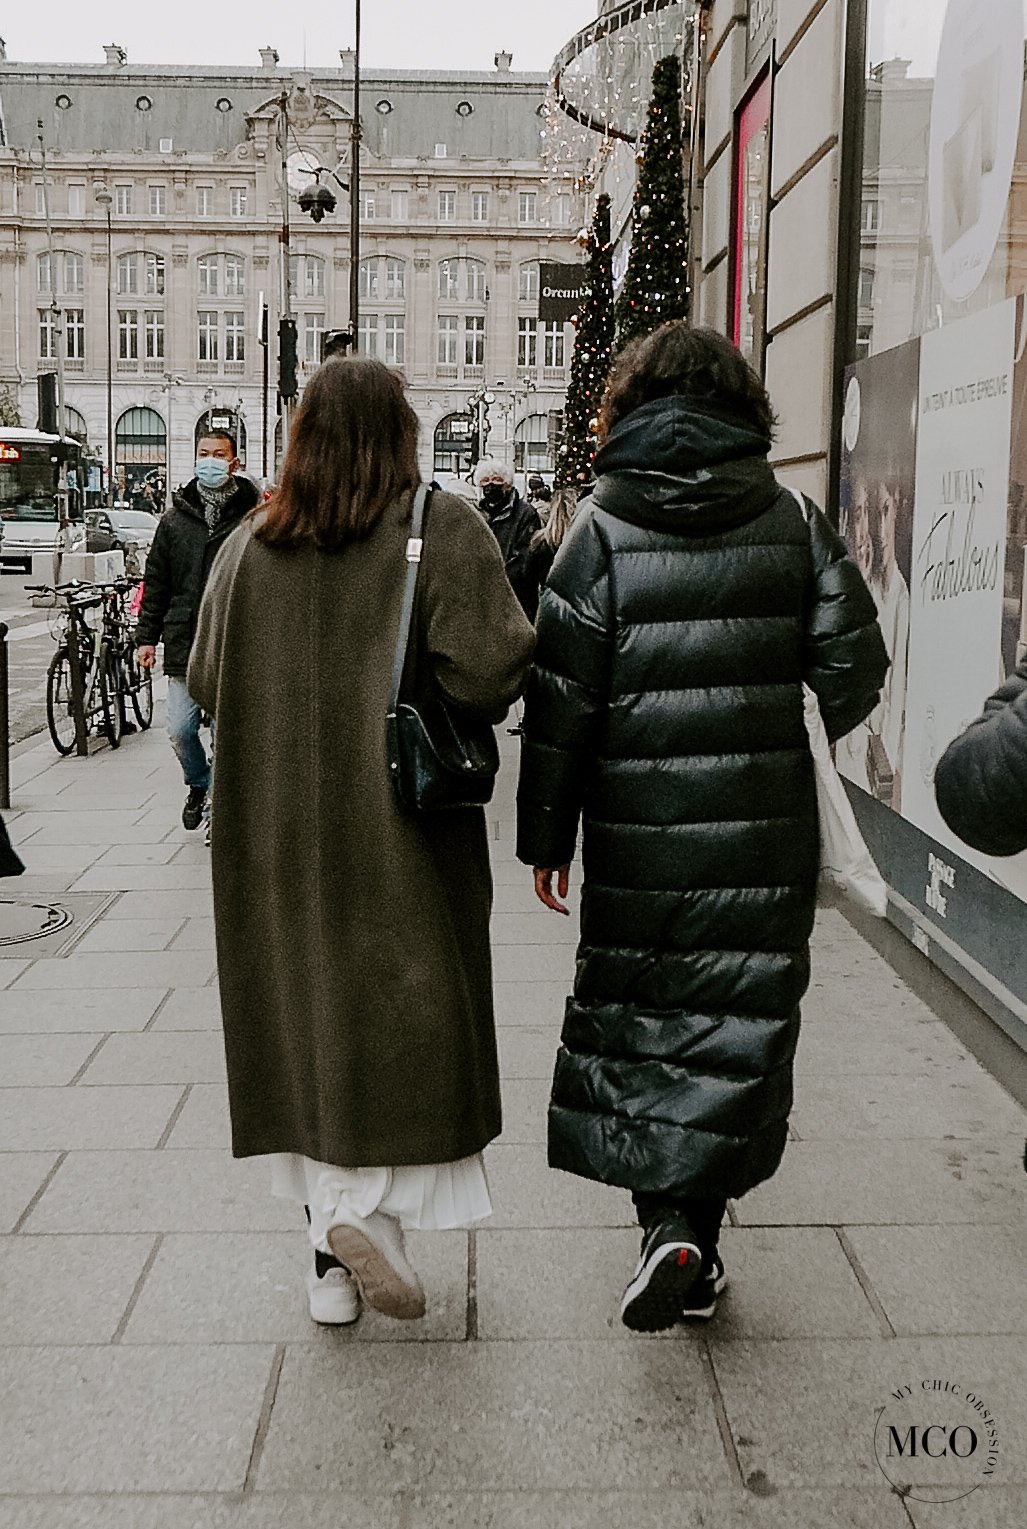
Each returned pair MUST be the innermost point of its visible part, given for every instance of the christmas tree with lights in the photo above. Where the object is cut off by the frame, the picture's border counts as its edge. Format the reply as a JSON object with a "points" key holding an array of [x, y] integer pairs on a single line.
{"points": [[590, 362], [655, 285]]}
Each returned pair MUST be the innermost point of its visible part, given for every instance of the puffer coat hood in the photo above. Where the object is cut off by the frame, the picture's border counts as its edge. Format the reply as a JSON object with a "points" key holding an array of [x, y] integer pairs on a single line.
{"points": [[687, 605], [981, 779], [675, 466]]}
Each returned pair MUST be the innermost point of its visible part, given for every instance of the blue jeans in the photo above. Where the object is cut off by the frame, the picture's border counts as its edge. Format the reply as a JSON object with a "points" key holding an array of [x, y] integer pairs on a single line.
{"points": [[184, 717]]}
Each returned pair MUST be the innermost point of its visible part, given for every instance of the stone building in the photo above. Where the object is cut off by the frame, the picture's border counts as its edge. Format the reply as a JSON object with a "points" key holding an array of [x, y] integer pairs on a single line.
{"points": [[456, 213]]}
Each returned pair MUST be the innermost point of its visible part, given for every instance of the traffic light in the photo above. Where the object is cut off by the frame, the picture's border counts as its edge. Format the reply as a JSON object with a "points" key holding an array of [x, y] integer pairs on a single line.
{"points": [[288, 385]]}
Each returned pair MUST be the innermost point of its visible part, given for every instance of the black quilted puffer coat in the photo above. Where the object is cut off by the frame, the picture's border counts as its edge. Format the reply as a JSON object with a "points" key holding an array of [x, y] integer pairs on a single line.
{"points": [[981, 779], [685, 608]]}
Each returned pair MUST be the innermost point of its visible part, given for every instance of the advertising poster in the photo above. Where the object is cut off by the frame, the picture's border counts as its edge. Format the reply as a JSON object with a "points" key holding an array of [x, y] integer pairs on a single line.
{"points": [[933, 499], [877, 498], [959, 550]]}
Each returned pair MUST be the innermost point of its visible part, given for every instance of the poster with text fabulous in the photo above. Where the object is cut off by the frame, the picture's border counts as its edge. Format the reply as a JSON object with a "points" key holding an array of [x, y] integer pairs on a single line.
{"points": [[934, 509]]}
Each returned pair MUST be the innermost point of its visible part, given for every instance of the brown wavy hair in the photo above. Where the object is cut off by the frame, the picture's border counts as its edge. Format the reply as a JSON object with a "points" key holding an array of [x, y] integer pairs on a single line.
{"points": [[694, 363], [351, 453]]}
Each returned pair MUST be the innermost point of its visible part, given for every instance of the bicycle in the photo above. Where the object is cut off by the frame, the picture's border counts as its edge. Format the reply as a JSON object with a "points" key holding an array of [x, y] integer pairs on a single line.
{"points": [[135, 684], [97, 667]]}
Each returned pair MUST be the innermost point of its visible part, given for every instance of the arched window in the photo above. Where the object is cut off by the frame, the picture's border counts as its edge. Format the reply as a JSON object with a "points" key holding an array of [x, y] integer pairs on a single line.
{"points": [[527, 282], [235, 276], [531, 444], [71, 272], [307, 276], [207, 275], [462, 280], [453, 435], [74, 423], [382, 277], [140, 445], [367, 278]]}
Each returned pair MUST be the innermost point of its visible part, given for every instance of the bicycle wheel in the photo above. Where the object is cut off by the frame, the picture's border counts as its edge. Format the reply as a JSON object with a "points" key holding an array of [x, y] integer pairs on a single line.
{"points": [[60, 718], [140, 688], [110, 695]]}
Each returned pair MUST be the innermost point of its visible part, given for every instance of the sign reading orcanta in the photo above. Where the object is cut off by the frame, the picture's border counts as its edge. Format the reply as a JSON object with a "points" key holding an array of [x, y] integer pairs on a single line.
{"points": [[561, 290], [9, 453]]}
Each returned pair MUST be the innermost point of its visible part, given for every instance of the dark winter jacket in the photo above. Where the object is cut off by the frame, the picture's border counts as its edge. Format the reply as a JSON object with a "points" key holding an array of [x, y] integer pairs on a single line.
{"points": [[177, 566], [513, 527], [687, 604], [10, 863], [981, 779]]}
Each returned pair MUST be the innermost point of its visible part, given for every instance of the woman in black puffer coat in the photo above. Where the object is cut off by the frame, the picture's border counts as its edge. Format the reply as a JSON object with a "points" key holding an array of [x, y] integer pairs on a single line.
{"points": [[687, 605]]}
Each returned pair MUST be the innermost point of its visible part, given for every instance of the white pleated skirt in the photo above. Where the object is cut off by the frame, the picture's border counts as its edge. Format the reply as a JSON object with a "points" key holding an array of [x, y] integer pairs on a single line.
{"points": [[433, 1197]]}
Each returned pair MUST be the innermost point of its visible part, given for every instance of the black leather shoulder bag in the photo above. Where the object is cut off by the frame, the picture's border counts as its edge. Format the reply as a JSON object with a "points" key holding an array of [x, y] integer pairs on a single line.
{"points": [[439, 757]]}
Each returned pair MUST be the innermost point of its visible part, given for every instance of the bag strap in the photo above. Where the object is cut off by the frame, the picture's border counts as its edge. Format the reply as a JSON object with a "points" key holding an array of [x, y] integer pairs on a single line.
{"points": [[415, 545], [800, 500]]}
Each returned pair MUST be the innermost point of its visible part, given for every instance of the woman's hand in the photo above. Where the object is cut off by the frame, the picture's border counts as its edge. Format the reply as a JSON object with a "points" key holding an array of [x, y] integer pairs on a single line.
{"points": [[544, 887]]}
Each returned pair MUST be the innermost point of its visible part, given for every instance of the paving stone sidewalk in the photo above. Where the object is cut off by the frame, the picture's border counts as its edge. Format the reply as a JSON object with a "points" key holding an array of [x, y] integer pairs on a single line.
{"points": [[157, 1366]]}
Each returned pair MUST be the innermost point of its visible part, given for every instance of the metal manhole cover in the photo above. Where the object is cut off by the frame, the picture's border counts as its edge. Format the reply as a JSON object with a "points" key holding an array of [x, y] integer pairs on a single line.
{"points": [[30, 921]]}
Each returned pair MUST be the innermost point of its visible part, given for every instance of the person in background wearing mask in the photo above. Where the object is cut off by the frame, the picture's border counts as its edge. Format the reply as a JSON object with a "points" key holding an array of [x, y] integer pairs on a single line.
{"points": [[539, 495], [513, 523], [202, 515]]}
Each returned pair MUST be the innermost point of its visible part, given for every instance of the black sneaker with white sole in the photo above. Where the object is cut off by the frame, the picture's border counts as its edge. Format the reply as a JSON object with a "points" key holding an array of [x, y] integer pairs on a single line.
{"points": [[668, 1267], [192, 812], [701, 1301]]}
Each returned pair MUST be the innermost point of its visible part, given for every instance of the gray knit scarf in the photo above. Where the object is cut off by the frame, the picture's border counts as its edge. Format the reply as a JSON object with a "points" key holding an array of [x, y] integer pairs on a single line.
{"points": [[213, 501]]}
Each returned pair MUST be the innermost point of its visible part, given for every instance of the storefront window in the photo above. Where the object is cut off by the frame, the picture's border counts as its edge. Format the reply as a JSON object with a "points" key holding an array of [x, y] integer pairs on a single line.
{"points": [[750, 246], [933, 480]]}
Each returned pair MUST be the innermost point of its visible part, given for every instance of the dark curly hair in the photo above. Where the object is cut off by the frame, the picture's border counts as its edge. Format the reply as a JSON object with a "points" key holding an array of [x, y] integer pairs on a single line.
{"points": [[695, 363]]}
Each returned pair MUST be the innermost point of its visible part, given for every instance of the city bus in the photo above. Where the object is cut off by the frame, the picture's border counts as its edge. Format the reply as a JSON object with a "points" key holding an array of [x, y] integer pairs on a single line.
{"points": [[34, 466]]}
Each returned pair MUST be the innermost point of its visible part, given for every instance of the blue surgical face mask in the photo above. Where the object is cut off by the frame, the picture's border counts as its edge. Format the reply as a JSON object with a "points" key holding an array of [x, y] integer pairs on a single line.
{"points": [[212, 472]]}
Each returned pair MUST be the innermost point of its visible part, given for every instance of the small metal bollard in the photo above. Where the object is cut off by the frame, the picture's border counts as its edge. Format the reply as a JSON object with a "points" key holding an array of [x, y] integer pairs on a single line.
{"points": [[5, 721]]}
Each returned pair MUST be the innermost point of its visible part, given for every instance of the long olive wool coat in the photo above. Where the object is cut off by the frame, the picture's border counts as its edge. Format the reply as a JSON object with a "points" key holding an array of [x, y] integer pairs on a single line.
{"points": [[352, 939]]}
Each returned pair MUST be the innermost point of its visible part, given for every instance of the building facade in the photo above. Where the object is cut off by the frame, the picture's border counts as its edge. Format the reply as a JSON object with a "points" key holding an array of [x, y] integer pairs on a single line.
{"points": [[164, 188]]}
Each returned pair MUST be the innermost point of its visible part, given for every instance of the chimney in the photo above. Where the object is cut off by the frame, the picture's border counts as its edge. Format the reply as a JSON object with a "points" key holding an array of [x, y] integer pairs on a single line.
{"points": [[348, 58], [503, 61], [269, 58], [115, 55], [3, 51]]}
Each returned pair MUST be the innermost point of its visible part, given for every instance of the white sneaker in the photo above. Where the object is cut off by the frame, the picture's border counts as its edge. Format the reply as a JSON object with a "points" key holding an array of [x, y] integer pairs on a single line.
{"points": [[372, 1249], [335, 1299]]}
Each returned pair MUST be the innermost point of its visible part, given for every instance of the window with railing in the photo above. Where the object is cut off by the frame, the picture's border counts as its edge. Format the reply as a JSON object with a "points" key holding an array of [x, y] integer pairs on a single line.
{"points": [[75, 333], [367, 334], [448, 338], [235, 337], [207, 336], [47, 335], [474, 340], [527, 343], [153, 326], [128, 334], [395, 339], [553, 345], [313, 329]]}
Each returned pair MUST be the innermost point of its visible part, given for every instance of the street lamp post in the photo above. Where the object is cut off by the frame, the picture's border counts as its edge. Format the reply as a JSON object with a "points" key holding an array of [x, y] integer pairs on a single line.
{"points": [[354, 190], [102, 196]]}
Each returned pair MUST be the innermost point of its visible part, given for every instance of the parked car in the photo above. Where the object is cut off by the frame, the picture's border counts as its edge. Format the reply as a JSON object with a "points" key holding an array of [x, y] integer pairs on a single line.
{"points": [[111, 529]]}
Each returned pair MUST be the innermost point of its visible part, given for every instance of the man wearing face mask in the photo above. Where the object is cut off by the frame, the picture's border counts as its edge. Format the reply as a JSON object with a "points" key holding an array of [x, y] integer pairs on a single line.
{"points": [[202, 514], [514, 522]]}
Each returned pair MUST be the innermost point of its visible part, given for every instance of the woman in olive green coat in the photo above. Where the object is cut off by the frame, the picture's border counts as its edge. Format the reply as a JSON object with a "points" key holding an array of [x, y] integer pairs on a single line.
{"points": [[353, 938]]}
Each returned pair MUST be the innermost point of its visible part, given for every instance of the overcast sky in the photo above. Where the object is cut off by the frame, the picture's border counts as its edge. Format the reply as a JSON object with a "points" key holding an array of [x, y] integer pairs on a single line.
{"points": [[397, 34]]}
